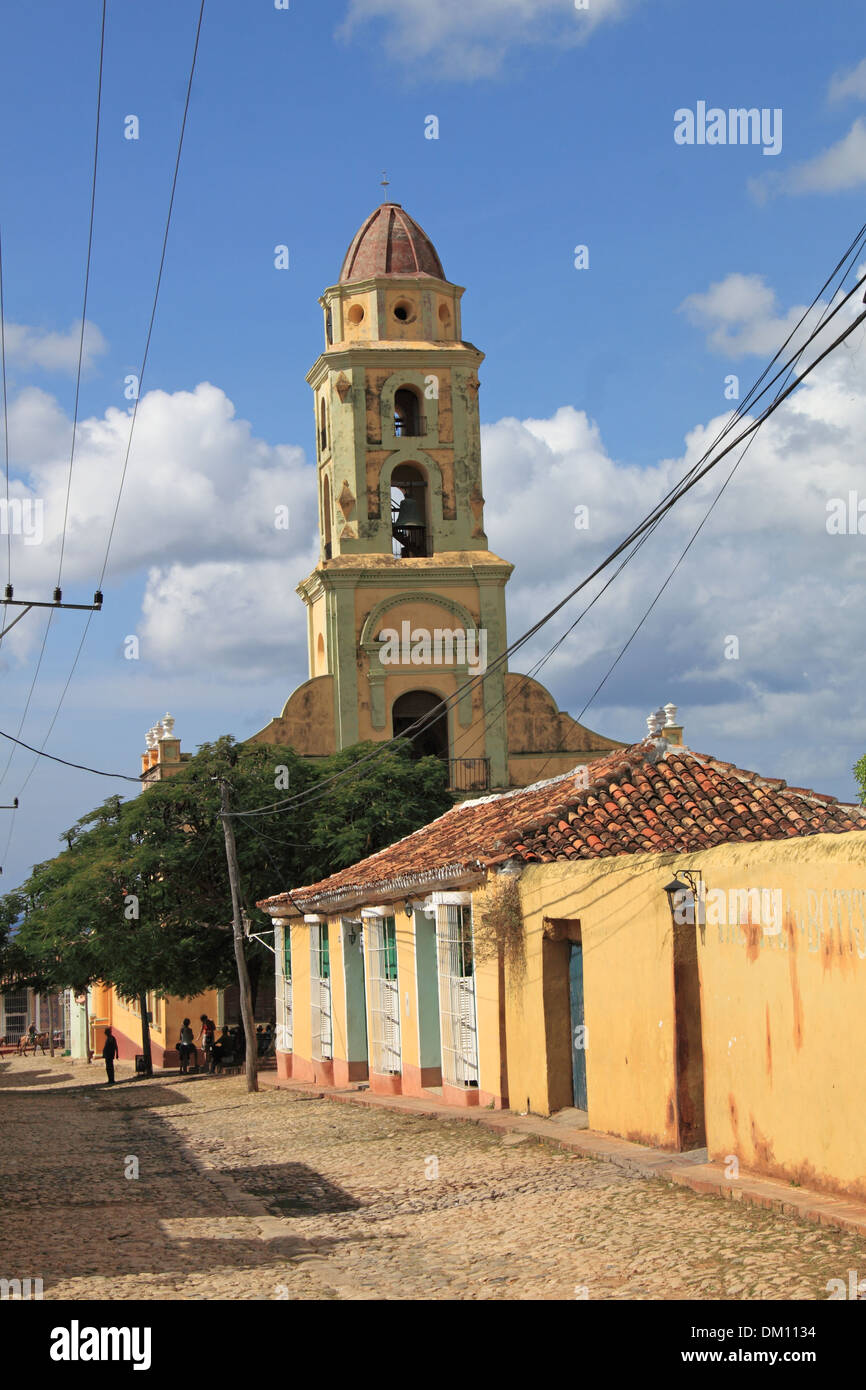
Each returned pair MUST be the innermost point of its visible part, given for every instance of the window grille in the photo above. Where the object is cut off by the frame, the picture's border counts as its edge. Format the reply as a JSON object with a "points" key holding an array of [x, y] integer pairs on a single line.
{"points": [[283, 946], [457, 1019], [15, 1015], [384, 995], [320, 993]]}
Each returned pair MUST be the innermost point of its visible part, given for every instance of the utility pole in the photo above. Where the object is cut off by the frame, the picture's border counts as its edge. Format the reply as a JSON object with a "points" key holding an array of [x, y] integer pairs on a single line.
{"points": [[238, 931], [145, 1034]]}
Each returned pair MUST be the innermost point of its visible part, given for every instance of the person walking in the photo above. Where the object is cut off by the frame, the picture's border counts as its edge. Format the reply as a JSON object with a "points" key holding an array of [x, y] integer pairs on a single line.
{"points": [[109, 1052], [207, 1039]]}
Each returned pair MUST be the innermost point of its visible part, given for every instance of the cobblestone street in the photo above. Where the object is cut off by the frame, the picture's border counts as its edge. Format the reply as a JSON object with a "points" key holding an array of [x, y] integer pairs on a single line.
{"points": [[280, 1196]]}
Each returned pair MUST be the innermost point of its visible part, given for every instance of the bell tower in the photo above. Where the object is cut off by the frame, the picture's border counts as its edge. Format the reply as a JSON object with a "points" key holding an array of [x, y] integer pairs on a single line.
{"points": [[407, 603]]}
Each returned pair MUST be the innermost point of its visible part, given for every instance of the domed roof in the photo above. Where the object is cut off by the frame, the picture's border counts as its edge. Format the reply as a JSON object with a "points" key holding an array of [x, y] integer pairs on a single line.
{"points": [[390, 242]]}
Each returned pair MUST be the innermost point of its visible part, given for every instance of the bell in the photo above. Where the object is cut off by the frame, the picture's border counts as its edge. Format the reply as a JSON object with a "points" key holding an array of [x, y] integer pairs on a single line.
{"points": [[409, 513]]}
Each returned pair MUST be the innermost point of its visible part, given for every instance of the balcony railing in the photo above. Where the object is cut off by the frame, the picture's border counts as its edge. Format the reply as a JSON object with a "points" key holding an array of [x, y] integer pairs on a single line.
{"points": [[469, 774], [415, 428]]}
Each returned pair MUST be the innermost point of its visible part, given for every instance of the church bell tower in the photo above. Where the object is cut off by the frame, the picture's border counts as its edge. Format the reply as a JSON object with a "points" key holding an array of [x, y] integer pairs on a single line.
{"points": [[407, 603]]}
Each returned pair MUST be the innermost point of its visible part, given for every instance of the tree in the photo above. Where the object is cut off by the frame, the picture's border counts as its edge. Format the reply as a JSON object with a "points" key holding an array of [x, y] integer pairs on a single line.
{"points": [[140, 898], [860, 775]]}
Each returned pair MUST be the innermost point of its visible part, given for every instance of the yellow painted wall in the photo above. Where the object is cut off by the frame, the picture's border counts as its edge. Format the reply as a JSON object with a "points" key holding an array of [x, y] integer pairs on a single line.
{"points": [[487, 1010], [783, 1013], [628, 991], [409, 1039], [302, 1020], [340, 1048]]}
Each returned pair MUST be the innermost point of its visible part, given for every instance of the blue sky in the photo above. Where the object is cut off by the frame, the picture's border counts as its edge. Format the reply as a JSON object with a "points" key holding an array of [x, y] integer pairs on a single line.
{"points": [[555, 129]]}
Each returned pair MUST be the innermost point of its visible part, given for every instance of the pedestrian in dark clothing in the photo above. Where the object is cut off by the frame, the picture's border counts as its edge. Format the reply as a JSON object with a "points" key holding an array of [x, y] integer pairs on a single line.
{"points": [[109, 1052], [185, 1046]]}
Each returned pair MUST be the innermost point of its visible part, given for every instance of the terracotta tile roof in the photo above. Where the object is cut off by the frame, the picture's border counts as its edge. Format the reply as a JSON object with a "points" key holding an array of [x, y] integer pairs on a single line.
{"points": [[649, 798], [390, 242]]}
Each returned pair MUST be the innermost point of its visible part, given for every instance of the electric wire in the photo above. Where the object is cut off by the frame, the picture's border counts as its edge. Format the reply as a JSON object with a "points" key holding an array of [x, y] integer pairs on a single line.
{"points": [[133, 419], [691, 479]]}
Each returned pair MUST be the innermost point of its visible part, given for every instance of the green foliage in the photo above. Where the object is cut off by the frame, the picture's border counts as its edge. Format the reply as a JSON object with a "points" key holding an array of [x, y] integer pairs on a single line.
{"points": [[139, 898], [860, 776]]}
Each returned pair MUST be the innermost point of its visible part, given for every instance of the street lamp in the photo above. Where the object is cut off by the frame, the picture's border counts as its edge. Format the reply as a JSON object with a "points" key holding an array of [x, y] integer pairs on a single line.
{"points": [[687, 892]]}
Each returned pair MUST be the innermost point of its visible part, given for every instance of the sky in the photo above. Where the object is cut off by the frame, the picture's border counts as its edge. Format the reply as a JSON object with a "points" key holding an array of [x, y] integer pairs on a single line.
{"points": [[558, 128]]}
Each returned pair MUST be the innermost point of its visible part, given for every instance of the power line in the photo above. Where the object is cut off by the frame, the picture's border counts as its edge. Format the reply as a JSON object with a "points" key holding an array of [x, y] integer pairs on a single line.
{"points": [[134, 411], [694, 476], [850, 254], [123, 776], [5, 419], [86, 289], [156, 292]]}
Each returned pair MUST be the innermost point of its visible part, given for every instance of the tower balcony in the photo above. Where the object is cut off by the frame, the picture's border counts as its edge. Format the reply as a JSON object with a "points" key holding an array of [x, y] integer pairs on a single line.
{"points": [[468, 774], [410, 428]]}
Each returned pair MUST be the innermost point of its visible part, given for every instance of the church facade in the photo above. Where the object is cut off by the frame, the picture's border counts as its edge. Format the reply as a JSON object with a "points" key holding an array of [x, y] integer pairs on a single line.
{"points": [[406, 607]]}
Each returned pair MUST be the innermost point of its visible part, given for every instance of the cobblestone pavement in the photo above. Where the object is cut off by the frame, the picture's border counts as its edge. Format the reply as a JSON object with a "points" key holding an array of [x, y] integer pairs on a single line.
{"points": [[279, 1196]]}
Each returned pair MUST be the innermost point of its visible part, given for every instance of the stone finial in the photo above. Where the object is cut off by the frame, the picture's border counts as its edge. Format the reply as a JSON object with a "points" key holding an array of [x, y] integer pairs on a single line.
{"points": [[670, 712], [653, 723], [167, 726], [150, 738]]}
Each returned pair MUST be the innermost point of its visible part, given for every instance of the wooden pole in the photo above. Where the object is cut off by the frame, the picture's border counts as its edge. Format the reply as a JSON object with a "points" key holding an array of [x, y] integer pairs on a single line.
{"points": [[238, 931]]}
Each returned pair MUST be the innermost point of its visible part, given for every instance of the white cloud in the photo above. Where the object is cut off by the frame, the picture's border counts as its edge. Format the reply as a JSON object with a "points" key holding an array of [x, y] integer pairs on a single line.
{"points": [[834, 170], [849, 84], [53, 352], [471, 38], [764, 569], [740, 315], [219, 611], [201, 490]]}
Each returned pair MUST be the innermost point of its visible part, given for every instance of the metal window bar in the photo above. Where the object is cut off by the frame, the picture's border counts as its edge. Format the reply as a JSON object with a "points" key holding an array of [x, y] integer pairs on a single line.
{"points": [[384, 996], [457, 1018], [320, 994], [469, 774], [15, 1015], [283, 949]]}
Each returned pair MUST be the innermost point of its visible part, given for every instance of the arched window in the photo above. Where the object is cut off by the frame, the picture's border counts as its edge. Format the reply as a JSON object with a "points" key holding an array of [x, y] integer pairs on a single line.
{"points": [[326, 517], [320, 655], [408, 419], [409, 529], [329, 327], [430, 739], [323, 426]]}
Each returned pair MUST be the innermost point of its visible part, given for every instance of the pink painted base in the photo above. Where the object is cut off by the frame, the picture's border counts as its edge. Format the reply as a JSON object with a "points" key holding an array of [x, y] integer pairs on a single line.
{"points": [[284, 1065], [460, 1095], [389, 1085], [417, 1080]]}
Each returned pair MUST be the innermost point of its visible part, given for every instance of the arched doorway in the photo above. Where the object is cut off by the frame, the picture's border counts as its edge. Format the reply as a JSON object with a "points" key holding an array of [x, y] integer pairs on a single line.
{"points": [[430, 739]]}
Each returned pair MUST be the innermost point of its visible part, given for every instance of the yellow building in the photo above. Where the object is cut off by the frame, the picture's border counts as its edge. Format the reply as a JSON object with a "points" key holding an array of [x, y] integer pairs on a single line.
{"points": [[678, 949], [407, 603], [161, 759]]}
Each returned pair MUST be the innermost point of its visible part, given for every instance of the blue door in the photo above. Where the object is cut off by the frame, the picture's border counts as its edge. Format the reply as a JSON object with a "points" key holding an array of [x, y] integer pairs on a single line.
{"points": [[578, 1027]]}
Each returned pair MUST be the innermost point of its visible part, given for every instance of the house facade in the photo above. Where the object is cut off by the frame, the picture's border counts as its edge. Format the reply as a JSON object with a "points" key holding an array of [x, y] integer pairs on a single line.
{"points": [[677, 949]]}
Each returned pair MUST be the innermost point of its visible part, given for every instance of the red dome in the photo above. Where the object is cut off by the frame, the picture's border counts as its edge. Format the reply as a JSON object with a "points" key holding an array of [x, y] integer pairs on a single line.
{"points": [[390, 243]]}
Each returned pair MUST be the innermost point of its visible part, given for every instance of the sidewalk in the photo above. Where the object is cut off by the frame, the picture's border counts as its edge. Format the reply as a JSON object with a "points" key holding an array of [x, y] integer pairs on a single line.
{"points": [[692, 1170]]}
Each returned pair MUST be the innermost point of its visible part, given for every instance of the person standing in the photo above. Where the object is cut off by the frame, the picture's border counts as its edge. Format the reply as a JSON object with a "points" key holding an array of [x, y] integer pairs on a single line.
{"points": [[207, 1039], [109, 1052], [185, 1046]]}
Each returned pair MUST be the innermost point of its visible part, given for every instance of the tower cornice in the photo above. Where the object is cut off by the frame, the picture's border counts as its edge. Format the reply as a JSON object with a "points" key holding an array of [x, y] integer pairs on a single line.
{"points": [[372, 354]]}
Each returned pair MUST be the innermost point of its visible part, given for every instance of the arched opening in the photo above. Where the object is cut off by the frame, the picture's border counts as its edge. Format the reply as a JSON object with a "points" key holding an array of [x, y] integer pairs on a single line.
{"points": [[326, 517], [355, 314], [329, 327], [408, 419], [320, 655], [323, 426], [408, 512], [430, 739]]}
